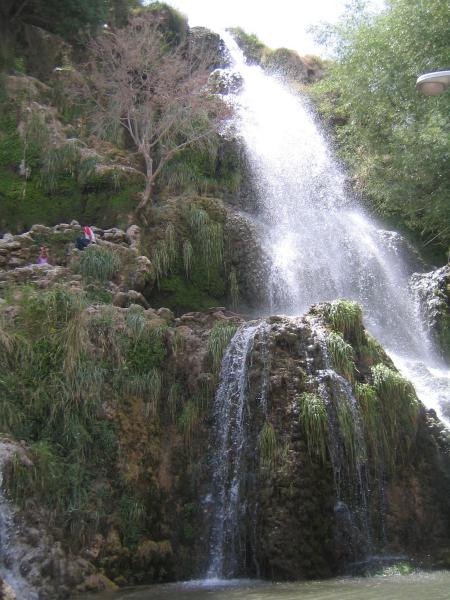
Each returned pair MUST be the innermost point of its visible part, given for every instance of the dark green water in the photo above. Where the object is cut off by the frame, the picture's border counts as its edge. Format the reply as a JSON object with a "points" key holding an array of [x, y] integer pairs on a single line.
{"points": [[417, 586]]}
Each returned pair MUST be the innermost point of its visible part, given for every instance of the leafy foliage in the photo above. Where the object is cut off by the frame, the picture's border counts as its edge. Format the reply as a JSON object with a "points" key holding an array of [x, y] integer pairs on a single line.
{"points": [[394, 139]]}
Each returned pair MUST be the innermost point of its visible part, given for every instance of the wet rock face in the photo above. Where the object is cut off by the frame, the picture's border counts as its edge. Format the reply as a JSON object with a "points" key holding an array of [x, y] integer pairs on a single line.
{"points": [[205, 43], [433, 292], [247, 257], [335, 469]]}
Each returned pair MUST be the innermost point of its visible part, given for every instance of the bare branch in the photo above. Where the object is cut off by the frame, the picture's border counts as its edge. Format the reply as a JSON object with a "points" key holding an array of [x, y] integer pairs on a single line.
{"points": [[153, 92]]}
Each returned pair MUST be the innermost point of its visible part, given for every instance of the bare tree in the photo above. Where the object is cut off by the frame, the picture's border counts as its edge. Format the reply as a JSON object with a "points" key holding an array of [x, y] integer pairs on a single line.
{"points": [[155, 91]]}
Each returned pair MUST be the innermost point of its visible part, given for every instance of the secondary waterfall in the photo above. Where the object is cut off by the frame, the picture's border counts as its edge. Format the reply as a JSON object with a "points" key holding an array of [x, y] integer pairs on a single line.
{"points": [[230, 488], [321, 244], [11, 549]]}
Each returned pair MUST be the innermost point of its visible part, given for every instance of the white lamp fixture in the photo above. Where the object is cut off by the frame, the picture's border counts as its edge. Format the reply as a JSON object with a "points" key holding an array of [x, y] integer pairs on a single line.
{"points": [[433, 84]]}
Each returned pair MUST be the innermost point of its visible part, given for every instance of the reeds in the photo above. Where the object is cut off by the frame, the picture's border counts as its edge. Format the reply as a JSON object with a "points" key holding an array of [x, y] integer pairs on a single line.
{"points": [[219, 338], [341, 355], [98, 263], [314, 421], [268, 446]]}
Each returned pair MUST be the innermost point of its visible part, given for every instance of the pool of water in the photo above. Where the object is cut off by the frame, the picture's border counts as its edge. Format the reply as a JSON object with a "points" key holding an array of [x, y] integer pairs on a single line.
{"points": [[417, 586]]}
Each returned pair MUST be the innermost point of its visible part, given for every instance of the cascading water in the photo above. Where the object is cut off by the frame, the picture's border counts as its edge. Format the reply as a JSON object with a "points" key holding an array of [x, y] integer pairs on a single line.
{"points": [[320, 243], [321, 246], [11, 549], [230, 461]]}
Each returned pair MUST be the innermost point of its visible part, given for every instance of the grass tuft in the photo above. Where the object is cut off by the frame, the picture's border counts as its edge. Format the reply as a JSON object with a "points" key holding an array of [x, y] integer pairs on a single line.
{"points": [[99, 263], [400, 405], [346, 318], [268, 446], [314, 420], [189, 420], [188, 255], [219, 338], [341, 356], [234, 290]]}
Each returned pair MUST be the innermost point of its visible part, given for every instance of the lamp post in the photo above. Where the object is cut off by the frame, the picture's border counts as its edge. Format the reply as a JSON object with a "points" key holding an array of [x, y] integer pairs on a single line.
{"points": [[433, 84]]}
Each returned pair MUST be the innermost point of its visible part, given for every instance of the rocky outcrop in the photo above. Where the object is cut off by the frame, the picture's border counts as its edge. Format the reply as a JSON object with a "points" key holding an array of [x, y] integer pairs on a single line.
{"points": [[248, 259], [432, 291], [141, 523], [209, 47], [346, 463], [18, 256]]}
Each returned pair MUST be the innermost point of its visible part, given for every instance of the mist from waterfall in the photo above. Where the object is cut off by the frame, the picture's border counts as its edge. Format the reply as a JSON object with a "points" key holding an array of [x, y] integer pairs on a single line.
{"points": [[320, 242]]}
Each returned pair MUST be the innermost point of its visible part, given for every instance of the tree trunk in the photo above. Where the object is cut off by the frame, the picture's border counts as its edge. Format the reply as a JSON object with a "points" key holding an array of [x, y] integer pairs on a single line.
{"points": [[147, 193]]}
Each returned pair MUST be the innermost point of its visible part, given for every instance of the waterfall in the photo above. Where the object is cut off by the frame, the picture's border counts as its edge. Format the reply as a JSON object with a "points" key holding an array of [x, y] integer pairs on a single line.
{"points": [[321, 245], [320, 242], [11, 549], [232, 453]]}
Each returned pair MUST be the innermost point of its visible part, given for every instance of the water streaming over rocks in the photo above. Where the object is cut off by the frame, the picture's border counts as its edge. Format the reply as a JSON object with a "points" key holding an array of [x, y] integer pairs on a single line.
{"points": [[321, 246], [321, 243], [232, 460], [11, 549]]}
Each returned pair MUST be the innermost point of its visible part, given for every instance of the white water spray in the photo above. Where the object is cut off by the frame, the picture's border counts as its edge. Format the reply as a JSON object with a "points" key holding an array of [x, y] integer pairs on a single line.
{"points": [[320, 242], [11, 549]]}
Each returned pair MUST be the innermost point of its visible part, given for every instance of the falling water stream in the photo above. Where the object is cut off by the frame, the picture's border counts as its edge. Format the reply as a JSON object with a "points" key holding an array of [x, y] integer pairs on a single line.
{"points": [[321, 246], [320, 242]]}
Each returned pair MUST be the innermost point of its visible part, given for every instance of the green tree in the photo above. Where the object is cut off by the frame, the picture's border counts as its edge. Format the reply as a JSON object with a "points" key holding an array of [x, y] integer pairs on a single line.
{"points": [[395, 140]]}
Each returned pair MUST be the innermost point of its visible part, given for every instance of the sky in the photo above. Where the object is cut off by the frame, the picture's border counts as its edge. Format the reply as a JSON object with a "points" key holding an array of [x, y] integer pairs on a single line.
{"points": [[278, 23]]}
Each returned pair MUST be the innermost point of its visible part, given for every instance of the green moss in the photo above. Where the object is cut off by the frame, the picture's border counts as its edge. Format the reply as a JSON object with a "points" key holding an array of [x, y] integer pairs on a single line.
{"points": [[183, 296], [26, 202], [144, 352]]}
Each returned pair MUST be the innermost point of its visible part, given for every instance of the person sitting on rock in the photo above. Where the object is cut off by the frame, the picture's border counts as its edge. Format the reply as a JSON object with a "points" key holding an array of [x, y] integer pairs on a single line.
{"points": [[82, 242], [43, 256], [89, 234]]}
